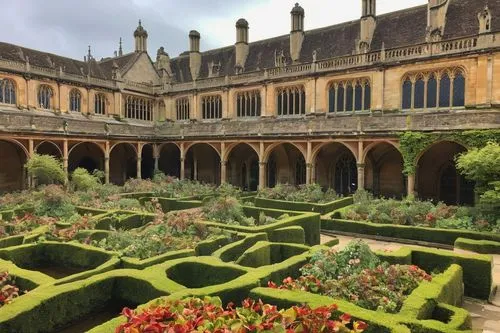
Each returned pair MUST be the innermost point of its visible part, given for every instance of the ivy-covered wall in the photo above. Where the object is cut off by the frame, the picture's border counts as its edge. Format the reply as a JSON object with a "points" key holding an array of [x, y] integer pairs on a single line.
{"points": [[412, 144]]}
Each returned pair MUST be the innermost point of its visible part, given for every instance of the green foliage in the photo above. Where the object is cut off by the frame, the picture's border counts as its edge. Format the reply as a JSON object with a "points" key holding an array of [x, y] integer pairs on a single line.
{"points": [[227, 210], [303, 193], [412, 144], [82, 180], [47, 169], [53, 201]]}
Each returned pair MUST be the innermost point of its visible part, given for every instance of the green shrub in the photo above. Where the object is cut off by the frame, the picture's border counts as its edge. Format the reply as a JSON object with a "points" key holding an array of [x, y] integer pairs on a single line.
{"points": [[479, 246], [227, 210], [304, 193], [47, 169], [53, 201], [82, 180]]}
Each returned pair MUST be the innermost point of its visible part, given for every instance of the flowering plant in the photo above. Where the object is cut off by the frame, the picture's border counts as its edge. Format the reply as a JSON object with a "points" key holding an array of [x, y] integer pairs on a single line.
{"points": [[8, 289], [208, 315]]}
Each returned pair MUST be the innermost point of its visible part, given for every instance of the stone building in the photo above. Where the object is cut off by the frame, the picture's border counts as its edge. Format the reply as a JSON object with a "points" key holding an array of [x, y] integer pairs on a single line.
{"points": [[326, 105]]}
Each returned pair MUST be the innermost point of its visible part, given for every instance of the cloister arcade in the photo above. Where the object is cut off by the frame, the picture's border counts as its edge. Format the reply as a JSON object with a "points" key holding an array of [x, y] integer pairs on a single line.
{"points": [[344, 165]]}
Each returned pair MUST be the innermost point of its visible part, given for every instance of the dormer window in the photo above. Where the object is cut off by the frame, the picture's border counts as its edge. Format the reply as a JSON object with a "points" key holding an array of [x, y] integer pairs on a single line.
{"points": [[279, 58], [484, 18], [214, 69]]}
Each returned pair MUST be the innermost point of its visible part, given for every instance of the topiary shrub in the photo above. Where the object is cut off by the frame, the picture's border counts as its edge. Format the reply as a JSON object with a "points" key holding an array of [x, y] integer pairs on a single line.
{"points": [[82, 180]]}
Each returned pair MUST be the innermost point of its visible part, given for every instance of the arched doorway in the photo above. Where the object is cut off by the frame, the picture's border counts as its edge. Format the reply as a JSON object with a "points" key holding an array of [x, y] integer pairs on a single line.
{"points": [[87, 155], [384, 171], [147, 162], [336, 167], [243, 167], [170, 160], [286, 165], [12, 171], [203, 164], [437, 176], [122, 163], [49, 148]]}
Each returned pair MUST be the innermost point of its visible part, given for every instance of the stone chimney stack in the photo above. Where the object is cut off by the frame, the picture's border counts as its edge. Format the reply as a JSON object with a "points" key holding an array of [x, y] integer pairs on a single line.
{"points": [[436, 19], [141, 39], [368, 23], [297, 32], [241, 45], [194, 53]]}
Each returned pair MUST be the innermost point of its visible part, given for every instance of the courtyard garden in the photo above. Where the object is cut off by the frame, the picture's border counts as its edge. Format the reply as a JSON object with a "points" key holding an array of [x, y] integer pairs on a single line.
{"points": [[169, 255]]}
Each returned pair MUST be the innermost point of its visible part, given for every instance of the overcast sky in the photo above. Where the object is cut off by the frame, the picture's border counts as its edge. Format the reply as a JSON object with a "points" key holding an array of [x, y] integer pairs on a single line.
{"points": [[67, 27]]}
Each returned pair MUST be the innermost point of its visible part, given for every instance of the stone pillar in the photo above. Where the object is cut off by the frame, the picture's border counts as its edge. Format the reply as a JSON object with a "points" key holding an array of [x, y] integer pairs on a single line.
{"points": [[195, 168], [139, 167], [31, 152], [411, 185], [106, 169], [223, 172], [313, 173], [183, 168], [157, 163], [65, 159], [308, 173], [361, 176], [262, 175]]}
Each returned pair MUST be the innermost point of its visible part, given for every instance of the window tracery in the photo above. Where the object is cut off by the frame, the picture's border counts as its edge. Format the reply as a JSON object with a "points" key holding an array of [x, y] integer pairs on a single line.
{"points": [[436, 89], [100, 104], [349, 96], [291, 101], [138, 108], [211, 107], [75, 100], [45, 97], [248, 104], [7, 91], [182, 107]]}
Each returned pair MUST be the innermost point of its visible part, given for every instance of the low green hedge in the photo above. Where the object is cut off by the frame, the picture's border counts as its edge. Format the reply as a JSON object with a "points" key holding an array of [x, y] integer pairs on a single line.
{"points": [[265, 253], [433, 235], [294, 234], [322, 208], [479, 246], [233, 251]]}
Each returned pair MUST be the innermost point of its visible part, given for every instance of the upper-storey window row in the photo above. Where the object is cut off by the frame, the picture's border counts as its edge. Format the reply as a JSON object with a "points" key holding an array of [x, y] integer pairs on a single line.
{"points": [[138, 108], [211, 107], [291, 101], [45, 94], [182, 108], [248, 104], [349, 96], [7, 91], [436, 89]]}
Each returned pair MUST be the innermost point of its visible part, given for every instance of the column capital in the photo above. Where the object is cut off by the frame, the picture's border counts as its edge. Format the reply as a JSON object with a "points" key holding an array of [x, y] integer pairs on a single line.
{"points": [[309, 165], [361, 165], [262, 163]]}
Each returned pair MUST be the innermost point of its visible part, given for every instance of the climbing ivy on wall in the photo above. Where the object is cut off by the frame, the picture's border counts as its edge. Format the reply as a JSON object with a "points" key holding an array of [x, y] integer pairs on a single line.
{"points": [[412, 144]]}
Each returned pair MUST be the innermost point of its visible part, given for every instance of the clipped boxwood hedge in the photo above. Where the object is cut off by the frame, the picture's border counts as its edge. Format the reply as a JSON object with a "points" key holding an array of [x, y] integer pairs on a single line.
{"points": [[432, 235], [322, 208], [479, 246]]}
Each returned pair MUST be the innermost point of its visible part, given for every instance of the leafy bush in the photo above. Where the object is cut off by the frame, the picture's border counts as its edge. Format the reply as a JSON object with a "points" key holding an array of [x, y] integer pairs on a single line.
{"points": [[304, 193], [47, 169], [357, 275], [208, 315], [8, 289], [54, 201], [24, 224], [82, 180], [226, 210]]}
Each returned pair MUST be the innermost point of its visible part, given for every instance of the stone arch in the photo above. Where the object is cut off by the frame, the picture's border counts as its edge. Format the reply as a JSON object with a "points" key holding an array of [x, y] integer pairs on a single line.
{"points": [[369, 147], [232, 146], [147, 161], [286, 164], [384, 170], [49, 148], [12, 172], [217, 150], [317, 149], [202, 163], [437, 177], [170, 159], [243, 166], [122, 163], [335, 166], [268, 151], [87, 155]]}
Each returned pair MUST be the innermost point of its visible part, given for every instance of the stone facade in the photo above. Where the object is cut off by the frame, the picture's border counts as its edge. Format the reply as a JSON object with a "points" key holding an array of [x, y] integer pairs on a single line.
{"points": [[362, 83]]}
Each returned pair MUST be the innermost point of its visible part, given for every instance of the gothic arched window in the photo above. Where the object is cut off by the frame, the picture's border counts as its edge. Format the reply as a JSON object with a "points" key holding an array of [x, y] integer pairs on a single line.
{"points": [[182, 107], [138, 108], [368, 97], [100, 104], [358, 97], [432, 92], [340, 98], [349, 96], [248, 104], [331, 98], [211, 107], [419, 94], [45, 97], [407, 91], [444, 91], [75, 101], [459, 89], [7, 91], [291, 101]]}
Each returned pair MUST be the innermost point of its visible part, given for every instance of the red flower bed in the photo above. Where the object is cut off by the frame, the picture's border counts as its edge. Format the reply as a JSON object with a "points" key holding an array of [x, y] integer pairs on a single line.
{"points": [[208, 315], [8, 290]]}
